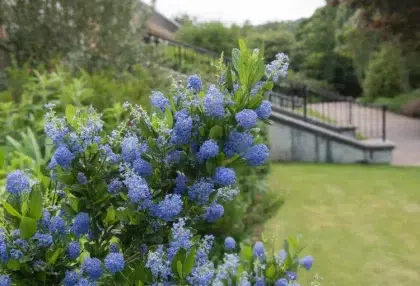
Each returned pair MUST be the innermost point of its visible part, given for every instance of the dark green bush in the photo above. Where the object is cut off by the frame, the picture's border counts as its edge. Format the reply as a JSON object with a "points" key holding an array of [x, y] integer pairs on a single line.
{"points": [[386, 75]]}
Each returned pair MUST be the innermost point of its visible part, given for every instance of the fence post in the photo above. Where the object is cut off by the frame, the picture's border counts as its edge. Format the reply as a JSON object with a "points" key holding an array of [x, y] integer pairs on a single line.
{"points": [[293, 102], [179, 57], [350, 101], [305, 102], [384, 108]]}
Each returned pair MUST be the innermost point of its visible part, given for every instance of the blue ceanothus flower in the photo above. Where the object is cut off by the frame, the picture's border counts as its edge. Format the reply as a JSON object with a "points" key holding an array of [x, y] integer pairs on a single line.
{"points": [[307, 262], [114, 262], [200, 191], [213, 103], [209, 149], [169, 208], [282, 282], [158, 263], [92, 267], [214, 212], [159, 100], [55, 128], [138, 190], [224, 176], [180, 183], [58, 225], [256, 155], [182, 129], [81, 178], [5, 280], [17, 182], [230, 243], [277, 68], [73, 250], [181, 238], [63, 156], [247, 118], [259, 251], [71, 278], [129, 148], [264, 110], [80, 224], [194, 83], [238, 143], [115, 186]]}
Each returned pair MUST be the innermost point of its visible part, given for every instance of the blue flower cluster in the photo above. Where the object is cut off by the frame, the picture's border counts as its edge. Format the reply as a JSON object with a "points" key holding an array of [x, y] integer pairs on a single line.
{"points": [[247, 118], [159, 100], [278, 68], [213, 103], [17, 182], [80, 224], [182, 129], [114, 262], [194, 83], [209, 149]]}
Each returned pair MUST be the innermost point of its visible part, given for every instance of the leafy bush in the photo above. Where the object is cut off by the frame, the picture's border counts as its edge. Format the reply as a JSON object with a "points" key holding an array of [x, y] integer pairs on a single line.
{"points": [[28, 91], [385, 75], [120, 208], [406, 103]]}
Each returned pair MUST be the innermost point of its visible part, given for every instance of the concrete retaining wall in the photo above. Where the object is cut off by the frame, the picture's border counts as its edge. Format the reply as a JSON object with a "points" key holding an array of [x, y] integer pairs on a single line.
{"points": [[295, 140]]}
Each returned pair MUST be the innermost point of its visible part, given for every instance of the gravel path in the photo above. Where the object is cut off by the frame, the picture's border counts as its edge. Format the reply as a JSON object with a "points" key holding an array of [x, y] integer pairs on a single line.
{"points": [[403, 131]]}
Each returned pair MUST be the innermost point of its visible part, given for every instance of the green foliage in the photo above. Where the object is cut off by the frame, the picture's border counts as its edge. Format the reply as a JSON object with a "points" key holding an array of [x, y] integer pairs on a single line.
{"points": [[385, 75], [39, 31], [273, 41], [405, 103], [214, 36]]}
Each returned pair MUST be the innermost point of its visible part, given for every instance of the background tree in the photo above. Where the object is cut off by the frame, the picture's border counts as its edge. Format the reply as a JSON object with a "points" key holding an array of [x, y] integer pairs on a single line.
{"points": [[39, 30]]}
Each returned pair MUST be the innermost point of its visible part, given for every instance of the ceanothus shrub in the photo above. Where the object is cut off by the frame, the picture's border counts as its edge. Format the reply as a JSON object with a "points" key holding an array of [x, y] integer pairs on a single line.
{"points": [[120, 208]]}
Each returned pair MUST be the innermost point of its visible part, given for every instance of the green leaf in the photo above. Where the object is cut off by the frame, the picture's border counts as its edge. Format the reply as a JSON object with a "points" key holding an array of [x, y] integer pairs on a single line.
{"points": [[189, 262], [70, 113], [195, 239], [145, 131], [220, 158], [179, 257], [216, 132], [74, 203], [229, 80], [27, 227], [1, 157], [179, 268], [169, 117], [13, 265], [24, 207], [11, 210], [35, 204], [210, 166], [139, 273], [54, 256], [246, 253], [202, 131], [110, 215], [270, 272], [236, 53], [67, 179]]}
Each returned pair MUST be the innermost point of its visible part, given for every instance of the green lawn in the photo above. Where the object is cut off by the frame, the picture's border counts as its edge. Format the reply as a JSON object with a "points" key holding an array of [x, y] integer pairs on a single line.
{"points": [[361, 223]]}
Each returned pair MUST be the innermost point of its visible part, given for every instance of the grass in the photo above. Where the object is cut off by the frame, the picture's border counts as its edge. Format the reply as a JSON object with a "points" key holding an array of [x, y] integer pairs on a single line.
{"points": [[361, 223]]}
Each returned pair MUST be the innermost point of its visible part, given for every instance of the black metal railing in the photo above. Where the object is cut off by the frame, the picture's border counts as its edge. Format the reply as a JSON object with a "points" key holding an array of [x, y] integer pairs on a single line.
{"points": [[182, 57], [368, 119]]}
